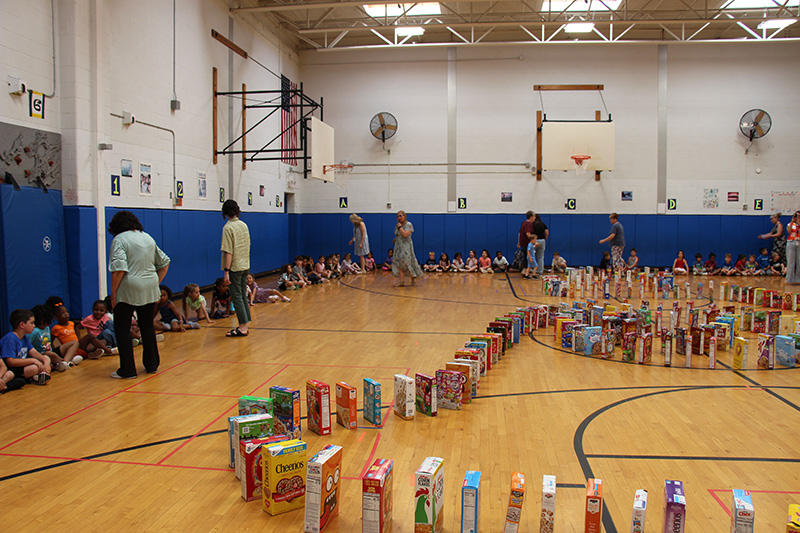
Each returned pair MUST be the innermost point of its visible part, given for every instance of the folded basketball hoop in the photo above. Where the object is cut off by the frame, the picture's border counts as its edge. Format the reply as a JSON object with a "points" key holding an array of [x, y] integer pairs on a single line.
{"points": [[579, 161]]}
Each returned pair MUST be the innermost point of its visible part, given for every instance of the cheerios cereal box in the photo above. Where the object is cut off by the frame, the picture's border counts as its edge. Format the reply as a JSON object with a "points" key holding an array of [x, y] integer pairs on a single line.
{"points": [[284, 476], [515, 501], [323, 472], [405, 396], [346, 405], [429, 496], [594, 506], [743, 514], [426, 394], [251, 467], [740, 346], [471, 502], [253, 405], [547, 517], [376, 497], [318, 404], [286, 404], [372, 401]]}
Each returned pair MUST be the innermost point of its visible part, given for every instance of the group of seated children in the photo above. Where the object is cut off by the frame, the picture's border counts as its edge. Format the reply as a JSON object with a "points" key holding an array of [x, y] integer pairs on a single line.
{"points": [[632, 265], [763, 265], [474, 263]]}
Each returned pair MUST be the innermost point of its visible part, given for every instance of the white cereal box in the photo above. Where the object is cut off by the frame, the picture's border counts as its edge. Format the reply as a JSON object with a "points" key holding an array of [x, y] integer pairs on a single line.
{"points": [[404, 397], [639, 511], [743, 514], [429, 496], [548, 514], [474, 372]]}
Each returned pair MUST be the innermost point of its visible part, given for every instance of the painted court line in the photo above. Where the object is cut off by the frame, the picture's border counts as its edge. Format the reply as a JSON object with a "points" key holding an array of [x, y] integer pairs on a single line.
{"points": [[110, 461], [180, 394], [714, 492]]}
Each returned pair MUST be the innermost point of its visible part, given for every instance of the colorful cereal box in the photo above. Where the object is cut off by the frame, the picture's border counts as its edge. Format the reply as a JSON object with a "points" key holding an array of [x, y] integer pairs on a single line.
{"points": [[484, 348], [628, 347], [746, 318], [740, 345], [743, 514], [773, 322], [666, 348], [787, 325], [594, 506], [785, 352], [372, 401], [251, 469], [765, 350], [404, 397], [548, 515], [253, 405], [593, 340], [471, 502], [578, 338], [793, 522], [607, 344], [712, 352], [644, 349], [284, 476], [474, 374], [639, 511], [249, 427], [322, 488], [376, 497], [688, 351], [426, 394], [674, 507], [515, 500], [346, 405], [429, 496], [449, 389], [318, 404], [680, 340], [504, 328], [698, 338], [567, 327], [760, 322], [465, 369], [286, 403]]}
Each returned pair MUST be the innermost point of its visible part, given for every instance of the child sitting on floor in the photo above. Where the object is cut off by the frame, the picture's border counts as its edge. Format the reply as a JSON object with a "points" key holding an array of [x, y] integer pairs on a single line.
{"points": [[697, 267], [287, 280], [444, 263], [257, 295], [220, 299], [559, 264], [728, 268], [194, 304], [485, 263], [500, 263], [100, 325], [680, 266], [170, 319], [741, 265], [431, 265], [458, 264], [73, 349], [472, 262], [750, 267], [633, 262], [19, 356], [763, 262], [321, 269], [387, 265], [710, 267], [41, 338], [605, 262], [370, 262], [777, 267], [348, 266]]}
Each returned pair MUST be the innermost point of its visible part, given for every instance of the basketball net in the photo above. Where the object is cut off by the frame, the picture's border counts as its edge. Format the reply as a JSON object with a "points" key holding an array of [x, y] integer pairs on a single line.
{"points": [[341, 172], [579, 161]]}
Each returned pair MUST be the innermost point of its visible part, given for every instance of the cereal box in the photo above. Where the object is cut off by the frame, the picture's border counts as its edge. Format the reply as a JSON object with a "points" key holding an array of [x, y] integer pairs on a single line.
{"points": [[284, 476], [628, 347], [760, 322], [568, 326], [785, 352], [250, 466], [765, 351], [773, 322], [484, 348], [429, 496], [578, 339], [793, 522], [712, 352], [743, 514], [253, 405], [471, 502], [505, 330], [376, 497], [698, 339], [449, 389], [639, 511], [462, 355], [249, 427], [666, 348], [593, 340], [548, 514], [594, 506], [465, 369], [318, 404], [404, 397], [286, 403], [372, 401], [740, 345], [607, 344], [322, 488], [426, 394], [688, 351], [787, 325], [644, 349], [746, 318], [474, 374], [515, 500], [346, 405], [513, 329], [674, 507]]}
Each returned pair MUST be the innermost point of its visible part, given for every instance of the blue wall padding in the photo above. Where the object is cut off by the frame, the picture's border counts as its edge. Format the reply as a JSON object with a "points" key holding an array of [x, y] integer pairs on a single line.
{"points": [[32, 272], [80, 224]]}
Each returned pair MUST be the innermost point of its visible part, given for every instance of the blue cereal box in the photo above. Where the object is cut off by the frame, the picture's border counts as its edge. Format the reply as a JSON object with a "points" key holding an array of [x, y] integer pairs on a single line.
{"points": [[372, 401], [471, 502], [743, 514], [286, 405], [593, 340], [785, 353]]}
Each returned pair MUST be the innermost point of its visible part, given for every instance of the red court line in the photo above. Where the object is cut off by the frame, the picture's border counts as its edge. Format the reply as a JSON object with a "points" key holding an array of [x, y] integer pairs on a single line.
{"points": [[110, 461], [344, 366], [231, 362], [190, 439], [371, 456], [180, 394], [725, 507]]}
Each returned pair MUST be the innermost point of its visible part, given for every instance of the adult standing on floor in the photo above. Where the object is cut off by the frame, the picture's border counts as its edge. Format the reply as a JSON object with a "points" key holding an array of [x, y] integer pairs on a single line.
{"points": [[236, 264], [542, 234], [360, 240], [617, 239], [793, 249], [404, 261], [778, 236], [525, 231], [137, 266]]}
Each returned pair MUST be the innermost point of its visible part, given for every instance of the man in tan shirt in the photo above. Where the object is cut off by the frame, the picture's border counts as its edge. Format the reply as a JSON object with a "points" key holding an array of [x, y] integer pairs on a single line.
{"points": [[236, 264]]}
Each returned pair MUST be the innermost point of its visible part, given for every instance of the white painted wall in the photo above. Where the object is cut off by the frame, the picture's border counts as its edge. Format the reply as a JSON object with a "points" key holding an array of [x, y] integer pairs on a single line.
{"points": [[709, 87]]}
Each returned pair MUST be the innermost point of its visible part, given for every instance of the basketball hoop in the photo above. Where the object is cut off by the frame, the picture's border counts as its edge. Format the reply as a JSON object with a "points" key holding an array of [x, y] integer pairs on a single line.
{"points": [[340, 171], [579, 161]]}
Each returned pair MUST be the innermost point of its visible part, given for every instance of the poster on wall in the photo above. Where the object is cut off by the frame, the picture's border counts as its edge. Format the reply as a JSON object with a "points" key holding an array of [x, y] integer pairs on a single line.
{"points": [[506, 196], [31, 157], [627, 196], [145, 179], [786, 202], [126, 168], [710, 198], [202, 191]]}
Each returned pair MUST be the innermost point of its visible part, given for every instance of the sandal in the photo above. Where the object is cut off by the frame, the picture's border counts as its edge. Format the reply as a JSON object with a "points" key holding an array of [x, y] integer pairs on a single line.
{"points": [[236, 333]]}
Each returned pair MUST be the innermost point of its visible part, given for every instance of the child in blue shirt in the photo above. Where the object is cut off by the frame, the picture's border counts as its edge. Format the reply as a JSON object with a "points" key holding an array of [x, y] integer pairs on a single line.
{"points": [[763, 263], [531, 258], [19, 355], [42, 339]]}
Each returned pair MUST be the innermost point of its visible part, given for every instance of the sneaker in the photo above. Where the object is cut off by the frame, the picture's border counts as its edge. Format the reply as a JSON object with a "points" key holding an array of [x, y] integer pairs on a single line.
{"points": [[287, 299], [14, 384], [117, 376], [114, 351], [159, 337], [194, 325], [40, 379], [62, 366], [76, 360], [135, 342]]}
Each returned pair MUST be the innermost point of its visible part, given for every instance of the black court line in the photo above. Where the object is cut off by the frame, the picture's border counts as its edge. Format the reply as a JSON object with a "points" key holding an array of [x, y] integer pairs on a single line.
{"points": [[367, 331], [695, 458], [423, 298], [571, 485]]}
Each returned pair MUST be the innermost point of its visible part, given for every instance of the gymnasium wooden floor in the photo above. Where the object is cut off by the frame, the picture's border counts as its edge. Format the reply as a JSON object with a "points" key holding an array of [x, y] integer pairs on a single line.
{"points": [[88, 453]]}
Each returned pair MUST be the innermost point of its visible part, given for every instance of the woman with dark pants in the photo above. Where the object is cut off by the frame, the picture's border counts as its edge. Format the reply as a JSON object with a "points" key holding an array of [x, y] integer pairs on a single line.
{"points": [[236, 264], [137, 267]]}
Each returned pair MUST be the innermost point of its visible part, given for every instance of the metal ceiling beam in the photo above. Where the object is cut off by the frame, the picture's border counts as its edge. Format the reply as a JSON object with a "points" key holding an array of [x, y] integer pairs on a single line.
{"points": [[324, 5]]}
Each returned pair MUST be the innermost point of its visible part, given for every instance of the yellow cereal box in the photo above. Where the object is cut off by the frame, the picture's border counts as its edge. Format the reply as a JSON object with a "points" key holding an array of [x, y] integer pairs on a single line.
{"points": [[284, 476], [793, 522]]}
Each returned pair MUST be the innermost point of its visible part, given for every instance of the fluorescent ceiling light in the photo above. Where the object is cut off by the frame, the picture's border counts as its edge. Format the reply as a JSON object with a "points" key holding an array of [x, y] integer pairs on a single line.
{"points": [[759, 4], [579, 27], [580, 5], [776, 24], [395, 10], [405, 31]]}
